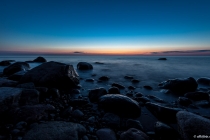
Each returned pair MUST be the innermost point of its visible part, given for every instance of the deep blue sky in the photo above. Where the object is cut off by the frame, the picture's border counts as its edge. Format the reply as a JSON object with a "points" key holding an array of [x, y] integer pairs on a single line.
{"points": [[104, 26]]}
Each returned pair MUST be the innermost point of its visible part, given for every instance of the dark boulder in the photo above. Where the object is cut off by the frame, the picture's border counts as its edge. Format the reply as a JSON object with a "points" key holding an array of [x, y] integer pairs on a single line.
{"points": [[104, 78], [197, 96], [118, 85], [130, 123], [106, 134], [180, 85], [56, 130], [95, 94], [17, 76], [114, 90], [7, 83], [162, 59], [40, 59], [16, 67], [148, 87], [5, 63], [162, 113], [204, 81], [192, 126], [184, 101], [135, 81], [120, 104], [84, 66], [52, 74]]}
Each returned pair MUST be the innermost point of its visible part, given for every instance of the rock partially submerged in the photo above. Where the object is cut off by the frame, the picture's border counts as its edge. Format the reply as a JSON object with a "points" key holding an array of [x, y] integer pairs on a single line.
{"points": [[192, 126], [56, 130], [204, 81], [52, 74], [5, 63], [197, 96], [84, 66], [133, 134], [120, 104], [16, 67], [164, 114], [162, 58], [40, 59], [17, 76], [180, 85]]}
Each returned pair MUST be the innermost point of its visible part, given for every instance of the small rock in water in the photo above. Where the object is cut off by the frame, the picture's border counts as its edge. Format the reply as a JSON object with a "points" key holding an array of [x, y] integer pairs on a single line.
{"points": [[89, 80], [131, 88], [148, 87], [118, 85], [40, 59], [104, 78], [99, 63], [128, 77], [162, 59], [138, 94], [114, 90], [84, 66], [135, 81], [197, 96], [204, 81]]}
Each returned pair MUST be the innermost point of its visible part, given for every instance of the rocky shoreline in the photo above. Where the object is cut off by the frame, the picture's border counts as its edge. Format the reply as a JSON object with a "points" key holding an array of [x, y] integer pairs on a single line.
{"points": [[46, 103]]}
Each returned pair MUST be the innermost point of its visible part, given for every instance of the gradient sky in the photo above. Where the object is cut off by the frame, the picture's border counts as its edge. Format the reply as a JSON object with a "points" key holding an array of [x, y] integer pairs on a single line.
{"points": [[105, 26]]}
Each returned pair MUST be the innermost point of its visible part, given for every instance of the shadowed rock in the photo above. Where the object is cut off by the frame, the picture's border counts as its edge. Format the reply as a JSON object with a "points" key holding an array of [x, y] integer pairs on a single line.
{"points": [[106, 134], [191, 126], [162, 59], [118, 85], [7, 83], [17, 76], [16, 67], [133, 134], [204, 81], [164, 114], [120, 104], [95, 94], [5, 63], [180, 85], [56, 130], [84, 66], [52, 74], [40, 59], [197, 96]]}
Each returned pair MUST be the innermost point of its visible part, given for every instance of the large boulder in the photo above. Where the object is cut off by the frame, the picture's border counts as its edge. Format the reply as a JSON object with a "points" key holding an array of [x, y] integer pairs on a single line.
{"points": [[9, 97], [133, 134], [162, 113], [120, 104], [180, 85], [52, 74], [192, 126], [204, 81], [40, 59], [16, 67], [84, 66], [56, 130]]}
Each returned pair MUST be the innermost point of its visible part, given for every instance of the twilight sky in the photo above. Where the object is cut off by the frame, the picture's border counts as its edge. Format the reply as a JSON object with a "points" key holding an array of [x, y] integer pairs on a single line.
{"points": [[157, 27]]}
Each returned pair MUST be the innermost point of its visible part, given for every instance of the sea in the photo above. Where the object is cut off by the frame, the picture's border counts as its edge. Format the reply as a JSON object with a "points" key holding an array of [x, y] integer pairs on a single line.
{"points": [[147, 69]]}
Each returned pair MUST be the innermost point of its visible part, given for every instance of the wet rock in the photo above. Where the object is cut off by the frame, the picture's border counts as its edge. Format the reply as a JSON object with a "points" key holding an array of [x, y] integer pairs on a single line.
{"points": [[164, 114], [95, 94], [111, 120], [5, 63], [128, 77], [106, 134], [130, 123], [148, 87], [118, 86], [131, 88], [165, 132], [191, 126], [31, 113], [204, 81], [84, 66], [184, 101], [29, 97], [40, 59], [120, 104], [17, 76], [197, 96], [162, 59], [104, 78], [133, 134], [52, 74], [56, 130], [114, 90], [16, 67], [90, 80], [29, 85], [7, 83], [180, 85], [135, 81], [77, 113], [9, 97], [138, 94]]}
